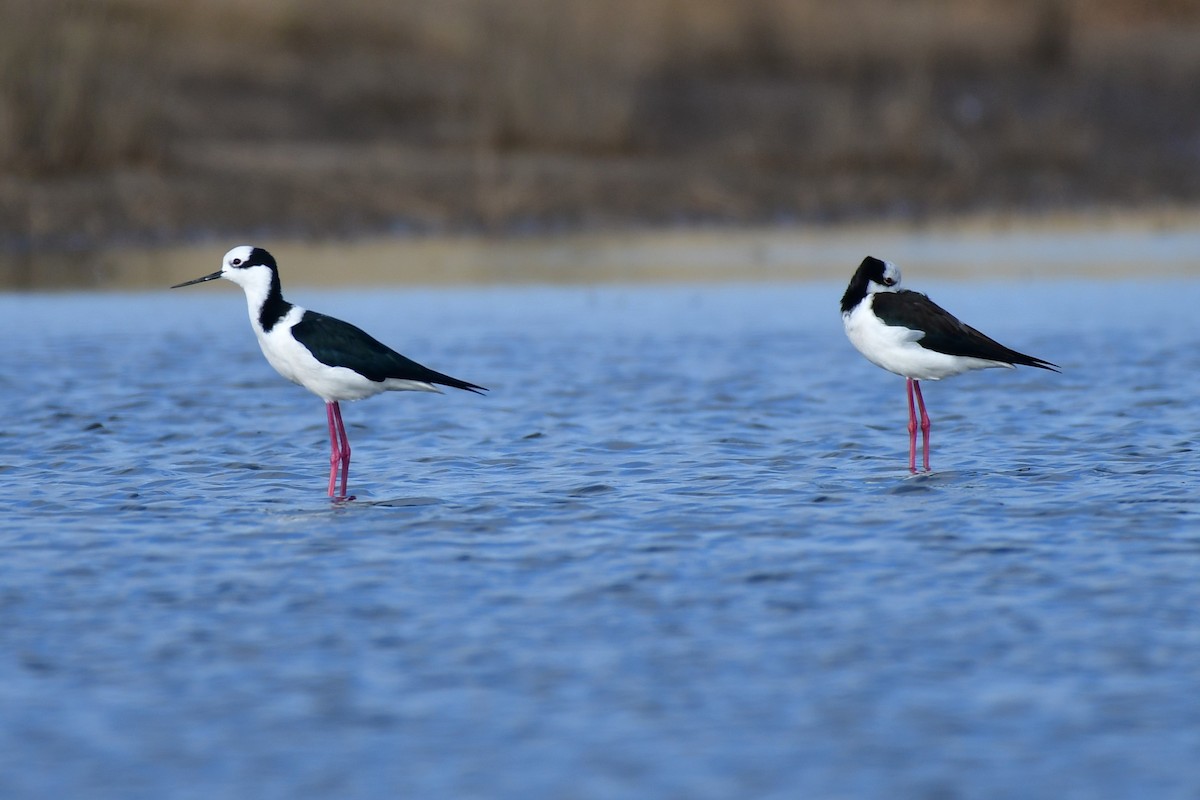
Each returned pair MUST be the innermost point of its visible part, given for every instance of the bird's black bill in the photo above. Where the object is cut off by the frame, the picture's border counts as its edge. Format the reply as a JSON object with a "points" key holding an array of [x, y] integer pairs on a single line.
{"points": [[212, 277]]}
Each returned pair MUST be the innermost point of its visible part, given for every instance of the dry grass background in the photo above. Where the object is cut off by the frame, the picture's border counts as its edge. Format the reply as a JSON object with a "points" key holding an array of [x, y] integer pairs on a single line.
{"points": [[151, 120]]}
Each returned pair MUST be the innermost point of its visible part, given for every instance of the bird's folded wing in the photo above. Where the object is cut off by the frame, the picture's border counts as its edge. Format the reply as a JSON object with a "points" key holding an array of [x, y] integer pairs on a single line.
{"points": [[943, 332], [340, 344]]}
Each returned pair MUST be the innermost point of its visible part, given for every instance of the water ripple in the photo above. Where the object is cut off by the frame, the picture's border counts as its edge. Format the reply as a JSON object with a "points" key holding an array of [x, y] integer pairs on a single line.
{"points": [[676, 553]]}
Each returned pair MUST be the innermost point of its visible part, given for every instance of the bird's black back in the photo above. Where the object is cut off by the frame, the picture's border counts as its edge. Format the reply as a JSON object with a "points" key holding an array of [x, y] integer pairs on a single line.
{"points": [[945, 333], [339, 344]]}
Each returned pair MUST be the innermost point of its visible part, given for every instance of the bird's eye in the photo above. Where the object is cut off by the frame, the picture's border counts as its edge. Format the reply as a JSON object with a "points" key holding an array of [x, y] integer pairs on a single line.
{"points": [[236, 262]]}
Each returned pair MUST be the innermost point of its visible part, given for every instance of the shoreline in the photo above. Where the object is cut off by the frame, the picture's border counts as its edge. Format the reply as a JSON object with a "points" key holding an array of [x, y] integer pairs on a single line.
{"points": [[1099, 245]]}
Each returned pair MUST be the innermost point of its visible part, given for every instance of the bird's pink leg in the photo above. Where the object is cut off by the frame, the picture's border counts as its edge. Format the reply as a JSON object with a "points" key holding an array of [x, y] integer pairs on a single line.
{"points": [[335, 456], [912, 428], [341, 427], [925, 426]]}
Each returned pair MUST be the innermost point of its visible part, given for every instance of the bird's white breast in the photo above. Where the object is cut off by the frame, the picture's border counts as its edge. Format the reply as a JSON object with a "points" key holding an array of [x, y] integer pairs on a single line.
{"points": [[896, 350], [293, 361]]}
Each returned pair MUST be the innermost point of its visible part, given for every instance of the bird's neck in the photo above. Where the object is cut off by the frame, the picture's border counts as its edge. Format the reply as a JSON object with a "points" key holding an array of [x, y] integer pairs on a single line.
{"points": [[860, 289], [856, 292], [266, 304]]}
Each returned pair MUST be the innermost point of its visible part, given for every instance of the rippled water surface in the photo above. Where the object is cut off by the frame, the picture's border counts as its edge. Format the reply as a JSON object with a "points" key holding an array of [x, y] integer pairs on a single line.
{"points": [[675, 554]]}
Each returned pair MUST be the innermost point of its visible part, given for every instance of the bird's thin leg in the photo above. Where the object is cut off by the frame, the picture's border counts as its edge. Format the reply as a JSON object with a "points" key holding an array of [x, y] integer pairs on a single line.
{"points": [[341, 427], [335, 456], [912, 428], [925, 426]]}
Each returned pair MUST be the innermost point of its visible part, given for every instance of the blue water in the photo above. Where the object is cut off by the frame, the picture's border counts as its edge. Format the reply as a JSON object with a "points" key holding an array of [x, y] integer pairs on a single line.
{"points": [[675, 554]]}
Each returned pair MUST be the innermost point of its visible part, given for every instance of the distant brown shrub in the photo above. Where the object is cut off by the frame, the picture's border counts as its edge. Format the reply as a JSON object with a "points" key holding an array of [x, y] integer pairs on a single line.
{"points": [[164, 115], [77, 88]]}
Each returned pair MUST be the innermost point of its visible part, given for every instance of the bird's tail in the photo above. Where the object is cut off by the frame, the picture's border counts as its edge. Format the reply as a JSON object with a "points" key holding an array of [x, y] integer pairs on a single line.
{"points": [[1030, 361], [454, 383]]}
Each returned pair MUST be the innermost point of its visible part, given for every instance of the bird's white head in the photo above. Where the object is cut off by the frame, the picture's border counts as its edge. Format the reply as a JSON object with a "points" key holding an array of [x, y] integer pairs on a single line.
{"points": [[250, 267], [873, 275], [882, 276]]}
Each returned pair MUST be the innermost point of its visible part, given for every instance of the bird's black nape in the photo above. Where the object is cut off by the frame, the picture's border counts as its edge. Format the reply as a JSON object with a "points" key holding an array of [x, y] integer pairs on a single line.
{"points": [[259, 258], [274, 308], [871, 269]]}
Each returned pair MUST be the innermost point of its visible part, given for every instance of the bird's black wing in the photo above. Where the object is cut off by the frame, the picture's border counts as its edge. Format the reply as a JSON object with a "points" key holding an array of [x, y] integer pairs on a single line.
{"points": [[945, 333], [340, 344]]}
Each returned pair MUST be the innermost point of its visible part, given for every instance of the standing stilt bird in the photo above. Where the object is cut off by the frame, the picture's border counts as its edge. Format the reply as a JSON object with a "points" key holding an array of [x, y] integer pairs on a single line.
{"points": [[907, 333], [332, 359]]}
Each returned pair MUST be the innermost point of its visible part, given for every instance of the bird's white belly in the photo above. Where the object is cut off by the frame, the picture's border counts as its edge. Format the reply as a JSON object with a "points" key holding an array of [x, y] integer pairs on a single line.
{"points": [[293, 361], [896, 350]]}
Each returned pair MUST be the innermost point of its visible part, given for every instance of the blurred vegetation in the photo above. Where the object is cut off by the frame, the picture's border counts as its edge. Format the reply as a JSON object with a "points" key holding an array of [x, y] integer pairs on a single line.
{"points": [[150, 119]]}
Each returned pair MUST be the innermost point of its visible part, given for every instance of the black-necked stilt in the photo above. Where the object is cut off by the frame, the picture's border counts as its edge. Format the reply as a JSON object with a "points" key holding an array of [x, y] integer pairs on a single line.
{"points": [[907, 333], [332, 359]]}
